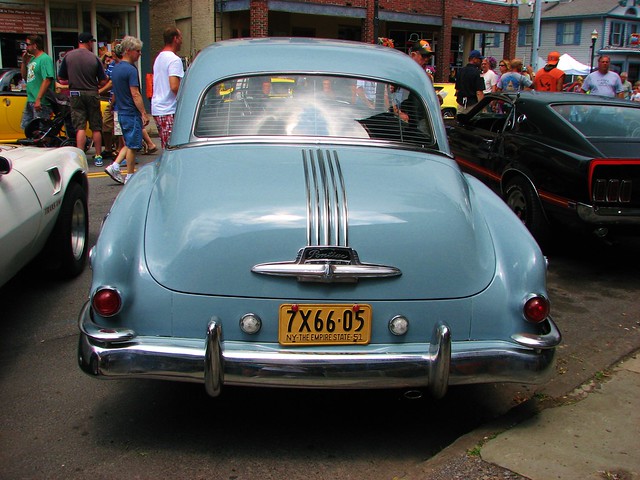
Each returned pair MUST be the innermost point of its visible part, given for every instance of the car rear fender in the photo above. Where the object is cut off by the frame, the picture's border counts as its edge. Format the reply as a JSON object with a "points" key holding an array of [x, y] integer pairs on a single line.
{"points": [[118, 262], [520, 273]]}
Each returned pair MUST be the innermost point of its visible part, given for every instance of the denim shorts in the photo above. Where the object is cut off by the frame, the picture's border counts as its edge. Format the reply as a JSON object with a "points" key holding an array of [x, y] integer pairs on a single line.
{"points": [[131, 130]]}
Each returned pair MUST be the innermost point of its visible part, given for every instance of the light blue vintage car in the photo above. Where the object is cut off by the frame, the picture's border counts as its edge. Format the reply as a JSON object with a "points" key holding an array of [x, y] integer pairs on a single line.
{"points": [[313, 236]]}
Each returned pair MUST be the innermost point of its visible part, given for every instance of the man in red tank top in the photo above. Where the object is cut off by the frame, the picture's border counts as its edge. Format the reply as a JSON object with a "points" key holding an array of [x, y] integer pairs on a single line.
{"points": [[550, 78]]}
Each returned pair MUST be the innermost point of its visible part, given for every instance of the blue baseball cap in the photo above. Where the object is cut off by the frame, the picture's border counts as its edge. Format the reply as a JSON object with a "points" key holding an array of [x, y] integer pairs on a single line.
{"points": [[476, 54]]}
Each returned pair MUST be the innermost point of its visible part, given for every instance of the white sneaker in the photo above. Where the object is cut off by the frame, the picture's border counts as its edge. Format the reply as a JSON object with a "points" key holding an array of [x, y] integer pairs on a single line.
{"points": [[114, 173], [128, 177]]}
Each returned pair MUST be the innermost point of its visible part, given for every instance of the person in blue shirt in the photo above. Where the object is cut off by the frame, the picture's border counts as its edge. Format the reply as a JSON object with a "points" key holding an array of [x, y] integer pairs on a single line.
{"points": [[514, 81], [132, 115]]}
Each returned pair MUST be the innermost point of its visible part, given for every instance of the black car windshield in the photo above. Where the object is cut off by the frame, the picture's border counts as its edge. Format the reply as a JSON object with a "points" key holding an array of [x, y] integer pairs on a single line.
{"points": [[599, 120], [313, 105]]}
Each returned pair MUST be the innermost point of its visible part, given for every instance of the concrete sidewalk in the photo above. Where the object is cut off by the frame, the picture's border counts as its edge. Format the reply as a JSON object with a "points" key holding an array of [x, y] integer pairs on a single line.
{"points": [[594, 434], [598, 437]]}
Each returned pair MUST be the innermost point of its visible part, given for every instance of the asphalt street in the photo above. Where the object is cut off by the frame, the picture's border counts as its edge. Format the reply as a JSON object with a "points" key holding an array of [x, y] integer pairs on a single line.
{"points": [[59, 423]]}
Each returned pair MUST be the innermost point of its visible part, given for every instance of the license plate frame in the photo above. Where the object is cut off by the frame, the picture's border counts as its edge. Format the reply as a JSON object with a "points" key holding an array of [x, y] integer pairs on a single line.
{"points": [[312, 324]]}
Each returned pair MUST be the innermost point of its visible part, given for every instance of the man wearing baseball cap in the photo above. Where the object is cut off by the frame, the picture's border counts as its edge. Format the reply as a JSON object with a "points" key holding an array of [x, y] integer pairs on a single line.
{"points": [[85, 73], [421, 52], [550, 78], [469, 83]]}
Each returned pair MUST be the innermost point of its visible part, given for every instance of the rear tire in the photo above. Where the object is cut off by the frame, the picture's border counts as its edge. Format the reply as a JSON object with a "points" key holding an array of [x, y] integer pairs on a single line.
{"points": [[69, 242], [523, 200]]}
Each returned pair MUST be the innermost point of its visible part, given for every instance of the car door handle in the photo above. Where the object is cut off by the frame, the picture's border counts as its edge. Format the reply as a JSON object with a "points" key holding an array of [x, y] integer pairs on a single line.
{"points": [[6, 101]]}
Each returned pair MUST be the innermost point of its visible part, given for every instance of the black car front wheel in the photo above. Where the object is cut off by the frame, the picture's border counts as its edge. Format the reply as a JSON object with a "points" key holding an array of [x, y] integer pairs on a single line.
{"points": [[523, 200], [67, 248]]}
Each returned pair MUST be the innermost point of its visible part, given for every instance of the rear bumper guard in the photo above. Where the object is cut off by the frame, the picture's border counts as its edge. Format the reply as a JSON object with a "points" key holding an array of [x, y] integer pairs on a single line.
{"points": [[433, 365]]}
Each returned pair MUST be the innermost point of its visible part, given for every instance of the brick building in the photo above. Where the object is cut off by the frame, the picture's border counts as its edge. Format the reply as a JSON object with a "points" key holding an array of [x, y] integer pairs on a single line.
{"points": [[454, 27], [60, 22]]}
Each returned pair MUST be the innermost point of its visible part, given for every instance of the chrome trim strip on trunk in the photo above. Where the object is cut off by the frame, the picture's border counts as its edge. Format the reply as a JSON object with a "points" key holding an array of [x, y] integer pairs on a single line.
{"points": [[327, 211]]}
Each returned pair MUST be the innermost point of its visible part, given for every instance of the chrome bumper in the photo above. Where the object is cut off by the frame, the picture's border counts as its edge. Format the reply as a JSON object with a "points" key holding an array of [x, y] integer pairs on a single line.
{"points": [[433, 365], [608, 215]]}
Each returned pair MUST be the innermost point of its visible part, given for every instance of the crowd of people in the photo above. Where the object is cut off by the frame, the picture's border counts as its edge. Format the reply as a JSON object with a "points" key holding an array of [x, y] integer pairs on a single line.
{"points": [[87, 79], [483, 75]]}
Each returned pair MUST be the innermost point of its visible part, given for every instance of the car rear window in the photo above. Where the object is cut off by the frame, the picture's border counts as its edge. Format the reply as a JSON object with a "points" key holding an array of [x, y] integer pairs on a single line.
{"points": [[313, 105], [602, 120]]}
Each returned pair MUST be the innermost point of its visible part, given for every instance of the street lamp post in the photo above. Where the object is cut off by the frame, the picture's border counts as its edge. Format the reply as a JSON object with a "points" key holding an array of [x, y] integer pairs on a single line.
{"points": [[594, 39]]}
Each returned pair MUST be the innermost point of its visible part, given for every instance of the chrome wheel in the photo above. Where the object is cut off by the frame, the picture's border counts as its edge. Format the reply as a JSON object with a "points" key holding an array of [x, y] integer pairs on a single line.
{"points": [[78, 231]]}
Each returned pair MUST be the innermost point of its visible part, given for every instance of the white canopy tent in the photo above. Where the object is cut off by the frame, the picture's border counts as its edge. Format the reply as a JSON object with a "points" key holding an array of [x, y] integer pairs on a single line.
{"points": [[568, 65], [571, 66]]}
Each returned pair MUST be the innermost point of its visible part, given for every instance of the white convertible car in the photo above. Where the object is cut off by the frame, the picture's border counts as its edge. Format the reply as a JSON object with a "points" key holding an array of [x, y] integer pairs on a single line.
{"points": [[43, 209]]}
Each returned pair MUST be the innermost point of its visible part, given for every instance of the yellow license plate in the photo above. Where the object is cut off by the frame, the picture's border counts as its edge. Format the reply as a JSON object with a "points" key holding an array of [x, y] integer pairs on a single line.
{"points": [[324, 324]]}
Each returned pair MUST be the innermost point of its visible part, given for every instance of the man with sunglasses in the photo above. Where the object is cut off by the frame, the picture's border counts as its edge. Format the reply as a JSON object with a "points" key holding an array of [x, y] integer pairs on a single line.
{"points": [[38, 72]]}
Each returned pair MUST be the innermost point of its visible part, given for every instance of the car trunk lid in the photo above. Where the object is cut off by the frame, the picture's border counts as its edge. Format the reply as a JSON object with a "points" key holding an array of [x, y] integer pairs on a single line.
{"points": [[218, 212]]}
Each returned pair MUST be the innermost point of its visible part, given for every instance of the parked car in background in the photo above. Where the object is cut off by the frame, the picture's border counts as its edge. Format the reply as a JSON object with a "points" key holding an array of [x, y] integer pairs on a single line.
{"points": [[12, 102], [557, 159], [10, 80], [314, 241], [449, 105], [13, 99], [43, 209]]}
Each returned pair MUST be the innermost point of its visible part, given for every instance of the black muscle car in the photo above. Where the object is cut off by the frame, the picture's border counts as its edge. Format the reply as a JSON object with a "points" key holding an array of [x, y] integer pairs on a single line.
{"points": [[556, 158]]}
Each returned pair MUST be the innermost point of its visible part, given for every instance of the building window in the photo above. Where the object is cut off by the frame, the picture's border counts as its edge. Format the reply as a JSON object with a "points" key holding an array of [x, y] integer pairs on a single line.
{"points": [[568, 33], [64, 19], [616, 38], [632, 35], [404, 39], [525, 35], [491, 39]]}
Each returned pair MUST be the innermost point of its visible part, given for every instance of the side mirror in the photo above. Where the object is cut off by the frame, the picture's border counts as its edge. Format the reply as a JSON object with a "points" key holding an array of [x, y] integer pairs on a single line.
{"points": [[5, 166]]}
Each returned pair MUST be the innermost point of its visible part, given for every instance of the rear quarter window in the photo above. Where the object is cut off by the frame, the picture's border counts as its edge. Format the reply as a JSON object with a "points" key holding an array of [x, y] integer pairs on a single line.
{"points": [[594, 120]]}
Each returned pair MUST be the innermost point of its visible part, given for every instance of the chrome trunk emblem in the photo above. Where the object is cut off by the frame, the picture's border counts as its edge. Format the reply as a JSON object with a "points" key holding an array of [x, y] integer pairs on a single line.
{"points": [[326, 264]]}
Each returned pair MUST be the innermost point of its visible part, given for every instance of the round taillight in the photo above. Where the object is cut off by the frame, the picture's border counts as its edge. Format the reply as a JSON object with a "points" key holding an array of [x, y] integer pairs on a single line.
{"points": [[536, 309], [107, 302]]}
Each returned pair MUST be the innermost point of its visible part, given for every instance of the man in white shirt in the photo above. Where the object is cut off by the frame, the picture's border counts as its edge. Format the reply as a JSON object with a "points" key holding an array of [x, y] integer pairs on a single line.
{"points": [[167, 74], [602, 81], [489, 76]]}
